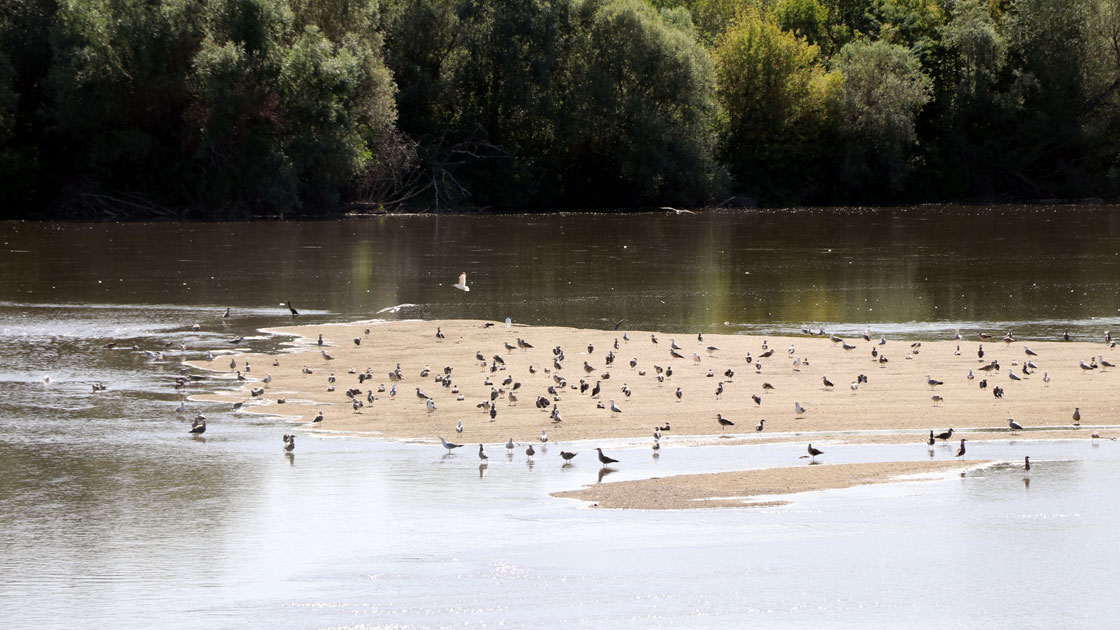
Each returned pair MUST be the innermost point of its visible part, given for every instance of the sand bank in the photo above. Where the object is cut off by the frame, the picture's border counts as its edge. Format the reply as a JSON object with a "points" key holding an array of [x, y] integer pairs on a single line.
{"points": [[742, 488], [895, 401]]}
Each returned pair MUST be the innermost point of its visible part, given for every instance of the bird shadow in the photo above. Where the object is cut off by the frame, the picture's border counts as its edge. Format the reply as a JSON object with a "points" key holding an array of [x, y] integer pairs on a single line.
{"points": [[604, 471]]}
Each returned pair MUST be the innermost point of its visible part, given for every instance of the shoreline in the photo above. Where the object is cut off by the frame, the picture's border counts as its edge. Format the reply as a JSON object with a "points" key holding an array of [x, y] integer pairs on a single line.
{"points": [[674, 390]]}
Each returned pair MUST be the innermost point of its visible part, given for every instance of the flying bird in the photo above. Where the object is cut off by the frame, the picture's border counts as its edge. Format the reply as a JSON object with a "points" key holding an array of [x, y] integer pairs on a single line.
{"points": [[462, 284]]}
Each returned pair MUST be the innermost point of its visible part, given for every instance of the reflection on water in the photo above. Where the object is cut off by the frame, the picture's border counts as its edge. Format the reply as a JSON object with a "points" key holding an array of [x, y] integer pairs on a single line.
{"points": [[114, 516]]}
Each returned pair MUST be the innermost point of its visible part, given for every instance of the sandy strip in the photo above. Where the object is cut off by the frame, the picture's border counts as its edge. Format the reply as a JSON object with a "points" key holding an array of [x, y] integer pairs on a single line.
{"points": [[896, 398], [741, 488]]}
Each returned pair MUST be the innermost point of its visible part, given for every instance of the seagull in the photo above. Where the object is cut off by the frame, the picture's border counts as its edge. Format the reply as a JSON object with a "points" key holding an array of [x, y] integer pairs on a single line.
{"points": [[724, 422], [510, 445], [544, 436], [813, 452], [290, 308], [1077, 416], [945, 435], [1015, 426], [567, 456], [226, 316], [1046, 377], [931, 441], [827, 383], [1027, 462], [656, 445], [431, 405], [529, 451], [482, 454], [198, 427], [326, 356], [603, 459], [448, 445], [319, 417], [459, 427], [267, 379], [289, 442], [960, 451], [932, 382], [797, 408], [1030, 353], [758, 427], [656, 433], [462, 285], [614, 407], [680, 394]]}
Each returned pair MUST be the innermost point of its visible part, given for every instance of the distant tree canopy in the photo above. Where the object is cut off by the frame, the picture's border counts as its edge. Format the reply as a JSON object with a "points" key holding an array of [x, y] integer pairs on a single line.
{"points": [[230, 108]]}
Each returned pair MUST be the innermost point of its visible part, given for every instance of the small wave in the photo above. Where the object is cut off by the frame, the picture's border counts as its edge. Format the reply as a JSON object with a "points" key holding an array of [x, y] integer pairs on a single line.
{"points": [[395, 309]]}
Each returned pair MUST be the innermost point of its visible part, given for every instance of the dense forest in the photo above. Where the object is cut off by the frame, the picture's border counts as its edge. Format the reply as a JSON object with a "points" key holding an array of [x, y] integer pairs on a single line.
{"points": [[230, 108]]}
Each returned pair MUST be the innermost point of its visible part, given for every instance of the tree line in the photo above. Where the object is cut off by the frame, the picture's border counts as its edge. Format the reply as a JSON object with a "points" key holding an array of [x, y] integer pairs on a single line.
{"points": [[230, 108]]}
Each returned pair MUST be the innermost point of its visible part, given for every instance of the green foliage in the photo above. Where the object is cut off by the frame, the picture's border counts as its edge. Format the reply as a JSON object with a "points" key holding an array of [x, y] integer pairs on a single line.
{"points": [[808, 19], [775, 102], [884, 89], [641, 90]]}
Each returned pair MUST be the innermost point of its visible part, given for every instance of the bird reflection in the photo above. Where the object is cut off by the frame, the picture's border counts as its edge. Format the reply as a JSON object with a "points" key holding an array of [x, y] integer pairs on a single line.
{"points": [[529, 463], [604, 471], [481, 470], [1026, 482], [291, 458]]}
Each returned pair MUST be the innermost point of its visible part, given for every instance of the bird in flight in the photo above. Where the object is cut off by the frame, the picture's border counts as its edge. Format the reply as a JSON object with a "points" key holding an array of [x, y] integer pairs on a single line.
{"points": [[462, 285]]}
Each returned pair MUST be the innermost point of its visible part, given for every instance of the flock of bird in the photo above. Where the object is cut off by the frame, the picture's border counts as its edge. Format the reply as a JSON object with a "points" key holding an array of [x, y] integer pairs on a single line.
{"points": [[594, 372]]}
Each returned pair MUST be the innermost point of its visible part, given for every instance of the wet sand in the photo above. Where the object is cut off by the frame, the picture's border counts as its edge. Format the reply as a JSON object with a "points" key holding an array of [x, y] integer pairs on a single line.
{"points": [[742, 488]]}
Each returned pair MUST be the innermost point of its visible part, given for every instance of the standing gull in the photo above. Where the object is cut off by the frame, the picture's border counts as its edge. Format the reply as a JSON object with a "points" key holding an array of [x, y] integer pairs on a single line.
{"points": [[603, 459], [1015, 426], [960, 451], [482, 454], [813, 452], [448, 445]]}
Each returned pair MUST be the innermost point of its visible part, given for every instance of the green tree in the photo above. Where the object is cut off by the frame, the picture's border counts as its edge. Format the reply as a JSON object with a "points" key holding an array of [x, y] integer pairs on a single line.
{"points": [[884, 89], [640, 93], [776, 104], [808, 19]]}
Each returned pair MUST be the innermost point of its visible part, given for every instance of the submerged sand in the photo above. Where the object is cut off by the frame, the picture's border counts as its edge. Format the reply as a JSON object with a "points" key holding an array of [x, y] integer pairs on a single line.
{"points": [[743, 487], [895, 402]]}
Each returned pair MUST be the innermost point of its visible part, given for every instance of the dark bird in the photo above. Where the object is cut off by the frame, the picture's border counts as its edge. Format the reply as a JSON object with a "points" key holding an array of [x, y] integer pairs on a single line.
{"points": [[719, 389], [439, 333], [758, 427], [980, 352], [813, 452], [481, 453], [945, 435], [932, 439], [767, 386], [666, 427], [198, 427], [604, 460], [724, 422], [1066, 335], [827, 383], [1015, 426], [227, 313], [680, 394], [618, 323], [960, 451], [997, 391], [293, 310], [289, 442], [567, 456], [1077, 416], [1027, 462], [757, 399], [318, 418]]}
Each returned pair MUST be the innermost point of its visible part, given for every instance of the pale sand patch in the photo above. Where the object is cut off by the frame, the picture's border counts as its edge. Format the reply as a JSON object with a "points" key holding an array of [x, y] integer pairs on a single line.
{"points": [[895, 401], [739, 488]]}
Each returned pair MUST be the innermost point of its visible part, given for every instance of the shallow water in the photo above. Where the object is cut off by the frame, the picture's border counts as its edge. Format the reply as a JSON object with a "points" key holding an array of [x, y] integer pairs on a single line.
{"points": [[114, 517]]}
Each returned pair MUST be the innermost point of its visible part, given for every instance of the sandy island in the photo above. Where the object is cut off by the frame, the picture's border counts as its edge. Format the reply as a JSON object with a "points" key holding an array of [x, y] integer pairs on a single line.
{"points": [[742, 487], [895, 403]]}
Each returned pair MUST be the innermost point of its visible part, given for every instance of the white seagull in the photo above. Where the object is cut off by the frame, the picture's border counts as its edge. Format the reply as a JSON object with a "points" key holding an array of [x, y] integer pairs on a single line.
{"points": [[462, 285]]}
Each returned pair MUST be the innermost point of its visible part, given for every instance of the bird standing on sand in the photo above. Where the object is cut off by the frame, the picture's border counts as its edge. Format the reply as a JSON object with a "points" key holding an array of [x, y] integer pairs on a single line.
{"points": [[614, 407], [462, 284], [1077, 416], [448, 445], [318, 418], [603, 459], [724, 422], [932, 382], [960, 451], [1015, 426], [760, 426], [798, 409]]}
